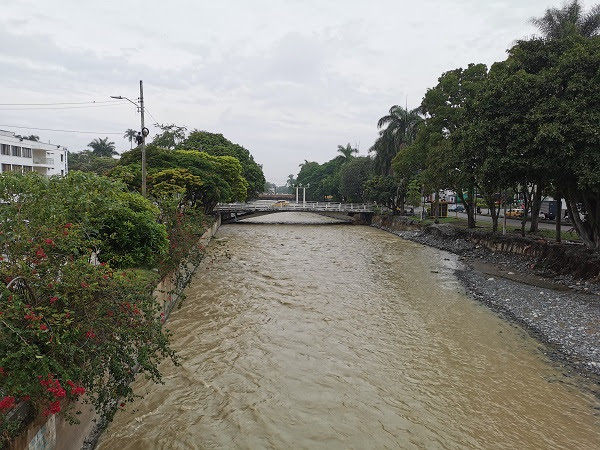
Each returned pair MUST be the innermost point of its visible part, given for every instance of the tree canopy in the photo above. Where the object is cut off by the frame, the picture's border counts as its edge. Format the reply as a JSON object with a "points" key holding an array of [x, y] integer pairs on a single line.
{"points": [[103, 147], [217, 145]]}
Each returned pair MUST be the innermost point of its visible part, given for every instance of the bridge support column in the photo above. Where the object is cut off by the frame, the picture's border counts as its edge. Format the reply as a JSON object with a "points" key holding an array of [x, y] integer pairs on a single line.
{"points": [[365, 218]]}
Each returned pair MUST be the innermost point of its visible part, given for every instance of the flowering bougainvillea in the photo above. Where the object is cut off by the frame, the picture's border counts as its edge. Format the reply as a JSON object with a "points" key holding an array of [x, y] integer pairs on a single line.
{"points": [[69, 328]]}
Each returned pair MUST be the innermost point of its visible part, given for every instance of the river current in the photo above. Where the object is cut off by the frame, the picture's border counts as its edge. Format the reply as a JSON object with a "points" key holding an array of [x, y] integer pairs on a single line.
{"points": [[338, 336]]}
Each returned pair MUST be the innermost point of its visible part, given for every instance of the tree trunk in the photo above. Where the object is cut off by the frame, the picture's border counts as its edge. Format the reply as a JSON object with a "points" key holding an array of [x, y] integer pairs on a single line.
{"points": [[437, 207], [536, 205], [558, 215], [588, 230], [526, 203], [469, 204], [493, 212]]}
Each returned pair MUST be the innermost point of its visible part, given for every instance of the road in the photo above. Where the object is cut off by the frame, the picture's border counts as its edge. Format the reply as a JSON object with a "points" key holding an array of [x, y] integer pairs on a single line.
{"points": [[546, 225]]}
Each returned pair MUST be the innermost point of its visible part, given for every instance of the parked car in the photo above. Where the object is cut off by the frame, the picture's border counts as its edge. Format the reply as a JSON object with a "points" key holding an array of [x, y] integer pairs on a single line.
{"points": [[281, 203], [456, 207], [514, 213]]}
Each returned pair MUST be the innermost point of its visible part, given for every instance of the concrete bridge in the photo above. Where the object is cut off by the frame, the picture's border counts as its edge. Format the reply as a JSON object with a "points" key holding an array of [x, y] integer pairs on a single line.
{"points": [[234, 211]]}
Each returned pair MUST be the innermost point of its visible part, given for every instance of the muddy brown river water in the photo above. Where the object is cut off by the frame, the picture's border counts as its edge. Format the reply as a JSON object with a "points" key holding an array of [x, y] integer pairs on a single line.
{"points": [[337, 336]]}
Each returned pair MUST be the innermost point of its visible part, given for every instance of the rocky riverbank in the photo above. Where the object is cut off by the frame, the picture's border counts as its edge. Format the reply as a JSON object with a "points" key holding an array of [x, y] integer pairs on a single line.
{"points": [[526, 286]]}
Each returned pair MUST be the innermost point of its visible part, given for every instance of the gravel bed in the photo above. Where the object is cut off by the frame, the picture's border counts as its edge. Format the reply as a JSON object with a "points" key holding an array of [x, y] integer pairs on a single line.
{"points": [[561, 312]]}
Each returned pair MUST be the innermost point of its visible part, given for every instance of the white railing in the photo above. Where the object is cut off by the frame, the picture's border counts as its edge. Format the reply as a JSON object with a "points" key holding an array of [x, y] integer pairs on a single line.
{"points": [[293, 206], [43, 161]]}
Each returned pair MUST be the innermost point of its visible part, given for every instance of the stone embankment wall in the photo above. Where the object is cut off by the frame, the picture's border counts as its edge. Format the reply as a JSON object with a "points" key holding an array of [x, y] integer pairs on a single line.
{"points": [[566, 259], [55, 432]]}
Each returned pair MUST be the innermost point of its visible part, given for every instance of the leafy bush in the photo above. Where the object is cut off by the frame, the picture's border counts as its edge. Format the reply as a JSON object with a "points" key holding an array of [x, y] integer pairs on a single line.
{"points": [[70, 329], [120, 226]]}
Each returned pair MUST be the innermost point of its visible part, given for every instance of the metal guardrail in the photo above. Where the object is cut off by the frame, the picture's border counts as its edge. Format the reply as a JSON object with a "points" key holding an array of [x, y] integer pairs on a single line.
{"points": [[292, 206]]}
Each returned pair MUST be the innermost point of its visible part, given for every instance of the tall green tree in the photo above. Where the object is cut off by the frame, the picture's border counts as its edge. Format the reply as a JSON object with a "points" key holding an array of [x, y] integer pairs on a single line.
{"points": [[452, 162], [347, 152], [563, 122], [354, 175], [220, 178], [87, 161], [217, 145], [170, 137], [103, 147], [130, 136], [291, 181], [397, 129], [382, 190], [558, 23]]}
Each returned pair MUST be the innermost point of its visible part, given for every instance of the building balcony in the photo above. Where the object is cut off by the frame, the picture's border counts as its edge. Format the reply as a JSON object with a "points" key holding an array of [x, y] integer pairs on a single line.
{"points": [[43, 161]]}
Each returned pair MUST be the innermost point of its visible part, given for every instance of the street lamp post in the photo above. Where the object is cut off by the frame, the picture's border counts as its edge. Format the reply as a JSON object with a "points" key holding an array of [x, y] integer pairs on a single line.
{"points": [[143, 132], [297, 186], [304, 194]]}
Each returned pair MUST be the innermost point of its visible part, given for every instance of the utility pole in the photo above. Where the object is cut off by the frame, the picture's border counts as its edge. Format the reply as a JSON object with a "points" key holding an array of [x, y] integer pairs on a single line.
{"points": [[143, 140], [143, 132]]}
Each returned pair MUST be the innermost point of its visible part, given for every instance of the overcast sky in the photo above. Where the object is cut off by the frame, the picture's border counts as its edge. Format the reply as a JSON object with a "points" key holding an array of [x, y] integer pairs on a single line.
{"points": [[287, 79]]}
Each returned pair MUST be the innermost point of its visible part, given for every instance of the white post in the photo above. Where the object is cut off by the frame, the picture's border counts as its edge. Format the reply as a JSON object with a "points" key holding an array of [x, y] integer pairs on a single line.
{"points": [[296, 194], [303, 195]]}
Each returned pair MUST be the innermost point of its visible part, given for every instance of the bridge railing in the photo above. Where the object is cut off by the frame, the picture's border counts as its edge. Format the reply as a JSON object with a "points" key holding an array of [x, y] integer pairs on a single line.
{"points": [[293, 206]]}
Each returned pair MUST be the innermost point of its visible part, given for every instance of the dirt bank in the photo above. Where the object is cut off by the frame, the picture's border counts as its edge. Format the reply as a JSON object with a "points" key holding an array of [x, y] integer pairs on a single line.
{"points": [[550, 289]]}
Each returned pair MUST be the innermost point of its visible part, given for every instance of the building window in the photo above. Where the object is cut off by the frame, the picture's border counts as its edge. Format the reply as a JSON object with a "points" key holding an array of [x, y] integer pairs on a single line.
{"points": [[27, 169], [62, 172], [6, 168], [26, 152], [16, 151], [6, 149], [62, 158]]}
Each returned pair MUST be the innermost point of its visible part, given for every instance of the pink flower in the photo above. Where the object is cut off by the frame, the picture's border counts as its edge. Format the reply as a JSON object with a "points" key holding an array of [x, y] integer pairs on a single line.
{"points": [[78, 390], [53, 408], [7, 403], [84, 284], [90, 334], [49, 241], [53, 299], [43, 327]]}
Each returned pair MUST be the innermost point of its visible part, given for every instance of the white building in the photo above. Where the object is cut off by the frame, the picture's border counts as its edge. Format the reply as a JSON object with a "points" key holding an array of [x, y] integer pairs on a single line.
{"points": [[23, 155]]}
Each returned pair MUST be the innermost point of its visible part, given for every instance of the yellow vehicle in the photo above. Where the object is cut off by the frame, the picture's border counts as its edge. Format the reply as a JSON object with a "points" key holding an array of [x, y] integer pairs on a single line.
{"points": [[514, 213], [280, 203]]}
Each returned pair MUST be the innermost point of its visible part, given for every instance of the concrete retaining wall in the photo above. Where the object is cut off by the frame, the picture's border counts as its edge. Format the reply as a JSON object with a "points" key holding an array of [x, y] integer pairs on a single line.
{"points": [[566, 259]]}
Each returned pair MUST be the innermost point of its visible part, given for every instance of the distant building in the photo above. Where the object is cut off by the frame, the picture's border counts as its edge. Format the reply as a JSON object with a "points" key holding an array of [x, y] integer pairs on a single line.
{"points": [[23, 155]]}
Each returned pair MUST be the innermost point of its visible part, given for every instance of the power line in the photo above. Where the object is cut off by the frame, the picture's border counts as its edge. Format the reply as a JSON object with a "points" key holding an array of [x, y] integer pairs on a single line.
{"points": [[58, 107], [54, 104], [150, 114], [62, 131]]}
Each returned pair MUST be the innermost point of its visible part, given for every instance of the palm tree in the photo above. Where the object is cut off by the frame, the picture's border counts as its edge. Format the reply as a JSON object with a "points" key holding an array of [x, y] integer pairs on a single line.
{"points": [[558, 23], [400, 130], [347, 152], [102, 147], [290, 181], [130, 136]]}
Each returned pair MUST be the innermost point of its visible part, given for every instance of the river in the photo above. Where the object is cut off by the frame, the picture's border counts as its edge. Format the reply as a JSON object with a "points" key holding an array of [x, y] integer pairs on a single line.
{"points": [[338, 336]]}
